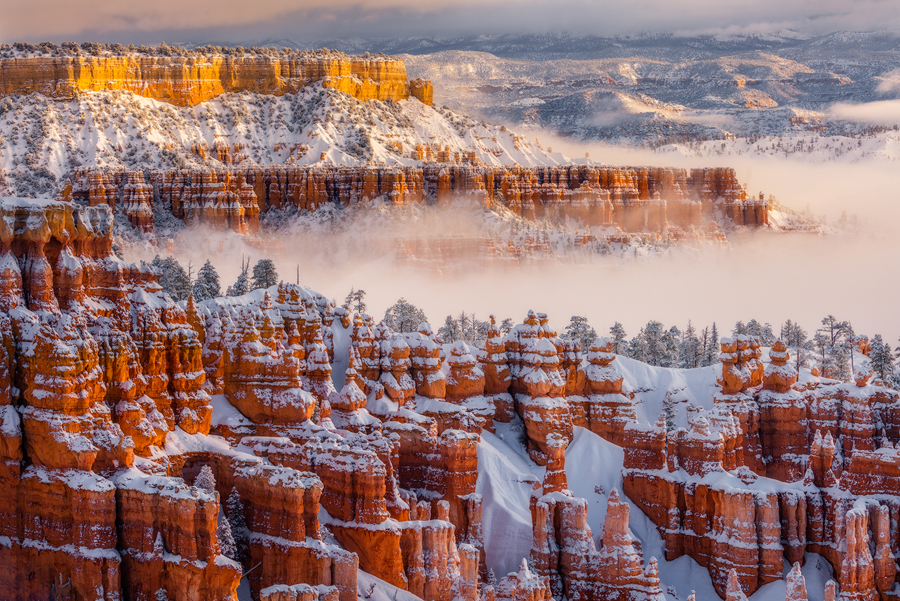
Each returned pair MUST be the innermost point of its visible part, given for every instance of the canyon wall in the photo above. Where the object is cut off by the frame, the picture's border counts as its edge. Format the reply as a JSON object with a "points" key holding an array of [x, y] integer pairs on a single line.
{"points": [[633, 199], [114, 400], [190, 80]]}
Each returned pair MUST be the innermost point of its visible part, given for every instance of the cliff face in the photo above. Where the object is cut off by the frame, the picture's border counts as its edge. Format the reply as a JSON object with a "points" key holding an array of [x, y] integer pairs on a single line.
{"points": [[113, 399], [187, 81], [632, 199]]}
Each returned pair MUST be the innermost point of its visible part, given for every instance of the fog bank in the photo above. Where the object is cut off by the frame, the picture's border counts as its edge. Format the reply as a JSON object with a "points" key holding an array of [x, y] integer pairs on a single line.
{"points": [[769, 277]]}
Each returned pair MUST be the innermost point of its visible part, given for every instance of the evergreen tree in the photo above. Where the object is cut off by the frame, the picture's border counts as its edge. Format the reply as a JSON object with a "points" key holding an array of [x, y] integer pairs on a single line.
{"points": [[653, 334], [670, 340], [617, 331], [882, 359], [506, 325], [355, 301], [762, 332], [242, 285], [234, 510], [797, 341], [173, 278], [820, 344], [712, 351], [580, 330], [206, 480], [403, 316], [690, 352], [264, 274], [206, 286], [637, 347], [739, 328], [449, 332], [226, 539], [833, 341], [162, 594]]}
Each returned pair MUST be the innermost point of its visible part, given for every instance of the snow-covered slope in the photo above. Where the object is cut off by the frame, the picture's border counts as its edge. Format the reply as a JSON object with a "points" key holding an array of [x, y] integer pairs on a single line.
{"points": [[654, 87], [593, 469], [42, 140]]}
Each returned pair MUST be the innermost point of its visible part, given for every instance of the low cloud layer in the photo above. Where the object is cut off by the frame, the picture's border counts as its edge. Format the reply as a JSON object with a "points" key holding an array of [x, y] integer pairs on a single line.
{"points": [[232, 21], [881, 112], [769, 277]]}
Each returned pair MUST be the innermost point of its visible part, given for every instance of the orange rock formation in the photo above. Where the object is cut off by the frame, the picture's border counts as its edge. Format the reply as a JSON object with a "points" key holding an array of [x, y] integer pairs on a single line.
{"points": [[232, 197], [190, 80]]}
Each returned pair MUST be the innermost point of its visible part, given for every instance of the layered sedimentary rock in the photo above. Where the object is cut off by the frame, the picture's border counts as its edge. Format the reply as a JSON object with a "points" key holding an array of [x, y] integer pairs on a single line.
{"points": [[713, 489], [231, 198], [190, 80], [113, 399]]}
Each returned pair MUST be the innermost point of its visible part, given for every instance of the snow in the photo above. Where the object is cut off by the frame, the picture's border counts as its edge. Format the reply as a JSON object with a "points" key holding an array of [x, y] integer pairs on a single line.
{"points": [[506, 477], [119, 129], [380, 590]]}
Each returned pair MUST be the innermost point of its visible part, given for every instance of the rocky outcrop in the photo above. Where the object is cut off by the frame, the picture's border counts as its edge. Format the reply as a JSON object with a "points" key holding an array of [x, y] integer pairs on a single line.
{"points": [[190, 80], [232, 197]]}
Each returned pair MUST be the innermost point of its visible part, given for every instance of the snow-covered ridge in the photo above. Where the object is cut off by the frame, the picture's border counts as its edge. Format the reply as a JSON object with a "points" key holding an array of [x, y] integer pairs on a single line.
{"points": [[43, 141]]}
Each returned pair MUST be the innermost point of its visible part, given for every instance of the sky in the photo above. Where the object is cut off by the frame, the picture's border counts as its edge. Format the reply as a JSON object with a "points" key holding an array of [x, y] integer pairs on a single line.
{"points": [[238, 21]]}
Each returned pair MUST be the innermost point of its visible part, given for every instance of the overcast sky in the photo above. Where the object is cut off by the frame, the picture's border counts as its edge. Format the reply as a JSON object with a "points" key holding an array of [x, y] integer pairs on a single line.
{"points": [[240, 21]]}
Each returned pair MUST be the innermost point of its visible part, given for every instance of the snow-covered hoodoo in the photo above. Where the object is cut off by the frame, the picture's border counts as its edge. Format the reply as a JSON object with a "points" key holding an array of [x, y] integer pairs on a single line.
{"points": [[390, 471]]}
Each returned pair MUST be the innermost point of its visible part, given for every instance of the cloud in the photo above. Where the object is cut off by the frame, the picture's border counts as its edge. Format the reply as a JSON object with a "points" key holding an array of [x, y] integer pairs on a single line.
{"points": [[238, 21], [769, 277], [882, 112], [890, 82]]}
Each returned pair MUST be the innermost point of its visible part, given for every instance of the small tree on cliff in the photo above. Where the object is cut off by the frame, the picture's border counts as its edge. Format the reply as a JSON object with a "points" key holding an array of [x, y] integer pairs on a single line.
{"points": [[450, 331], [242, 285], [797, 341], [355, 301], [206, 480], [173, 278], [226, 540], [403, 316], [206, 286], [670, 343], [264, 274], [234, 510], [617, 331], [761, 331], [690, 353], [581, 331], [712, 351], [882, 359]]}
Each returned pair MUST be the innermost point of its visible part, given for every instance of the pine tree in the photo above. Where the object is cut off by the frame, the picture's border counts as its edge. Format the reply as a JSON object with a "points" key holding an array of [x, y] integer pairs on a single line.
{"points": [[403, 316], [580, 330], [449, 332], [242, 285], [162, 594], [833, 341], [264, 274], [206, 480], [617, 331], [690, 353], [762, 332], [670, 341], [206, 286], [637, 348], [173, 278], [506, 325], [355, 302], [882, 359], [712, 352], [234, 510], [657, 350], [226, 539]]}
